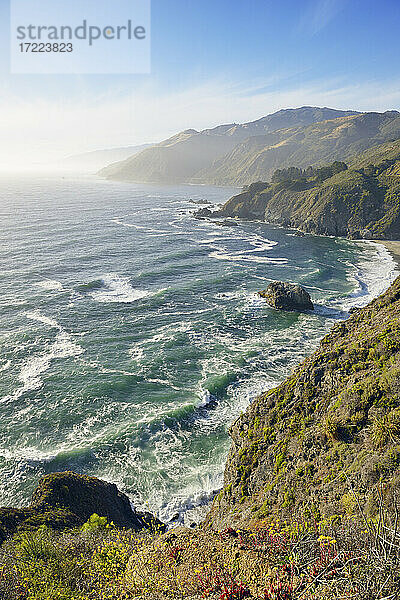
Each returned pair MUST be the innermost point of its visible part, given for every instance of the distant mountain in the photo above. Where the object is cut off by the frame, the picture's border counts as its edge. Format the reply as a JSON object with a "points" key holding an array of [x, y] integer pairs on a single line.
{"points": [[97, 159], [361, 201], [317, 144], [191, 155]]}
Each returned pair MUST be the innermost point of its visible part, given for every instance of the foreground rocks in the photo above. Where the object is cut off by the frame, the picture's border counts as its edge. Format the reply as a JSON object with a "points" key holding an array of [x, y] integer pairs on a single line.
{"points": [[67, 499], [287, 296]]}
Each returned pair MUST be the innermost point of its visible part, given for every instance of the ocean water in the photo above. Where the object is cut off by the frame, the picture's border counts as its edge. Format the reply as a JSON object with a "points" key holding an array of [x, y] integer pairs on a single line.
{"points": [[132, 334]]}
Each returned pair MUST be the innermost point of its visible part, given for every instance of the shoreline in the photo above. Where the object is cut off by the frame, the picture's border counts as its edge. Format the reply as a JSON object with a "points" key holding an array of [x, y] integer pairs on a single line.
{"points": [[392, 246]]}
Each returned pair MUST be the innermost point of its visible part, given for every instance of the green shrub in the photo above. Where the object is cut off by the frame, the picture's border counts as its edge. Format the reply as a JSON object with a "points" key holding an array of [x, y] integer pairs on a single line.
{"points": [[386, 429], [95, 522]]}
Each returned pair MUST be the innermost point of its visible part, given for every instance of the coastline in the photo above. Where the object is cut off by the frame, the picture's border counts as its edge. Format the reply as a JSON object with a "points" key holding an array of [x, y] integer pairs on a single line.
{"points": [[392, 246]]}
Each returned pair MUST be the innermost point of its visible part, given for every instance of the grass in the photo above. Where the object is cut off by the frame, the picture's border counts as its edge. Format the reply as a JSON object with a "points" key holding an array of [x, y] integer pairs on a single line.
{"points": [[349, 557], [386, 429]]}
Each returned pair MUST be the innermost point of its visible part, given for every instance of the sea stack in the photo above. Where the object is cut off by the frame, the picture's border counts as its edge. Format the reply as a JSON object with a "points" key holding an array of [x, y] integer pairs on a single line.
{"points": [[287, 296]]}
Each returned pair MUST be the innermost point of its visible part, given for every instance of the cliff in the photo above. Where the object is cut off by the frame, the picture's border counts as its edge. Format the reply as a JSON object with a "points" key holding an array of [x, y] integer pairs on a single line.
{"points": [[65, 500], [332, 427], [359, 202]]}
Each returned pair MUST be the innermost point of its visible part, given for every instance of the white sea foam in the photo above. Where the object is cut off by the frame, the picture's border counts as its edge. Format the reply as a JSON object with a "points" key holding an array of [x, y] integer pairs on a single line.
{"points": [[223, 254], [37, 316], [371, 276], [50, 284], [117, 289], [136, 353], [30, 374]]}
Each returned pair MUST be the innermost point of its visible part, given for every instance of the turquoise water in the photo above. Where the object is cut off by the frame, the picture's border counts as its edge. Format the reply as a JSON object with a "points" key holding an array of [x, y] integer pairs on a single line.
{"points": [[132, 335]]}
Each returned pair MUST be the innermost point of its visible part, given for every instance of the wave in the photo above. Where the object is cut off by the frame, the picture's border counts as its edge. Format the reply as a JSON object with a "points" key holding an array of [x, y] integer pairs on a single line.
{"points": [[223, 254], [371, 276], [50, 284], [187, 509], [114, 288], [139, 227], [30, 374]]}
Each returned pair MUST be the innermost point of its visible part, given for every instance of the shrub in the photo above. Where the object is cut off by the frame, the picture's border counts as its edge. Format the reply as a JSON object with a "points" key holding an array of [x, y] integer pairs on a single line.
{"points": [[386, 429]]}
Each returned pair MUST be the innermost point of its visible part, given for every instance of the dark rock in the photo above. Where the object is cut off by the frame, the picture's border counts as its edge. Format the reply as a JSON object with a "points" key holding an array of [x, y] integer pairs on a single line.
{"points": [[354, 309], [174, 518], [67, 499], [287, 296], [199, 201], [204, 212]]}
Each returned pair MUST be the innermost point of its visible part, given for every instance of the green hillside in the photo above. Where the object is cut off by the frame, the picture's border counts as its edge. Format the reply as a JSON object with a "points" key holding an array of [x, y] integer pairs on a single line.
{"points": [[362, 201]]}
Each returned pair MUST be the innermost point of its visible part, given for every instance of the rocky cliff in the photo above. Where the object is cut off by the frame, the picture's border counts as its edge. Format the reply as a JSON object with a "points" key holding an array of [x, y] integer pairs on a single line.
{"points": [[362, 201], [67, 499], [320, 443]]}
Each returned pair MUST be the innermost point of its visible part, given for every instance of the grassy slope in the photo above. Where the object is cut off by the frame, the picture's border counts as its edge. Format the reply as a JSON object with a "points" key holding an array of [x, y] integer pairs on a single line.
{"points": [[334, 423], [359, 202]]}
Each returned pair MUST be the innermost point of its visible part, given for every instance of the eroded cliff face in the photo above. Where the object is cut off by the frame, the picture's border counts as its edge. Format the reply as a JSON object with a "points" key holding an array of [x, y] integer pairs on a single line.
{"points": [[361, 202], [320, 443]]}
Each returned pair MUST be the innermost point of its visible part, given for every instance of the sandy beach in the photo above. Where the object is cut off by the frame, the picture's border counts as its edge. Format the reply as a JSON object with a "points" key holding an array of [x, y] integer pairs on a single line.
{"points": [[394, 248]]}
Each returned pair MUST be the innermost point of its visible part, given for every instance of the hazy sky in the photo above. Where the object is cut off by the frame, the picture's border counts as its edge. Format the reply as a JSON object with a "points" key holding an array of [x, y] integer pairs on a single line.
{"points": [[213, 61]]}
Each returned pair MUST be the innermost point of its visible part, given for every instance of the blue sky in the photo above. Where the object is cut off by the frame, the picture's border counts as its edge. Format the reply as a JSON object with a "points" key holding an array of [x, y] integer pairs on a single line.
{"points": [[212, 62]]}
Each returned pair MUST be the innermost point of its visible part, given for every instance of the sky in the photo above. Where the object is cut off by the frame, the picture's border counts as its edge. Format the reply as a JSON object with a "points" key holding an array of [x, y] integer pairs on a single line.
{"points": [[213, 62]]}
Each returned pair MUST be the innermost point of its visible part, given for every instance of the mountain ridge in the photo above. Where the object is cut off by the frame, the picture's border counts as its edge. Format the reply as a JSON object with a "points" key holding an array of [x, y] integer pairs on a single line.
{"points": [[188, 155]]}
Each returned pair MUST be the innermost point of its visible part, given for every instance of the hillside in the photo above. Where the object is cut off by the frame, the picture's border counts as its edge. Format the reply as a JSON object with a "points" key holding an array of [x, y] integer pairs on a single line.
{"points": [[316, 144], [359, 202], [189, 155], [333, 425]]}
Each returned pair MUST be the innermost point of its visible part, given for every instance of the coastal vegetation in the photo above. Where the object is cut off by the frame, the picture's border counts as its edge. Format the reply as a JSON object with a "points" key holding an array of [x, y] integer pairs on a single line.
{"points": [[355, 200]]}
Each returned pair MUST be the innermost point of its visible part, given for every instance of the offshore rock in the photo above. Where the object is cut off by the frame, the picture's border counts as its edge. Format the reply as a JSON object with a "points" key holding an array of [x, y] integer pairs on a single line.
{"points": [[287, 296]]}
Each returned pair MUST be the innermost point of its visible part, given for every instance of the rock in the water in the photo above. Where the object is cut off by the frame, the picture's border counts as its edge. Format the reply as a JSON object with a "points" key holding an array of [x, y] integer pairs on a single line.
{"points": [[68, 499], [204, 212], [287, 296]]}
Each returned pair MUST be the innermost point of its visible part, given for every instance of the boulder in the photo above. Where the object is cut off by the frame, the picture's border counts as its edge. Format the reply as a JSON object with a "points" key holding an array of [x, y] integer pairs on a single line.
{"points": [[67, 499], [287, 296]]}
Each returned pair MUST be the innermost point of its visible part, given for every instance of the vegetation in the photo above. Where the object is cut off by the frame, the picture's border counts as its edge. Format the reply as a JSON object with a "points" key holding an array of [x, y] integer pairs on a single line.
{"points": [[311, 175], [334, 423], [352, 557], [362, 201], [256, 158]]}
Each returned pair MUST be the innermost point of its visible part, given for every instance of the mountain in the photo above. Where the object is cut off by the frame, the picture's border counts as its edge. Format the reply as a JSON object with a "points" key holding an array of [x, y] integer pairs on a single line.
{"points": [[93, 161], [190, 155], [357, 202], [319, 444], [322, 142]]}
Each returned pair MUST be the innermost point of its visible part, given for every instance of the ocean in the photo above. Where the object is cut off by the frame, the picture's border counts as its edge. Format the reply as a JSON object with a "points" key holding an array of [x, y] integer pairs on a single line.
{"points": [[132, 334]]}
